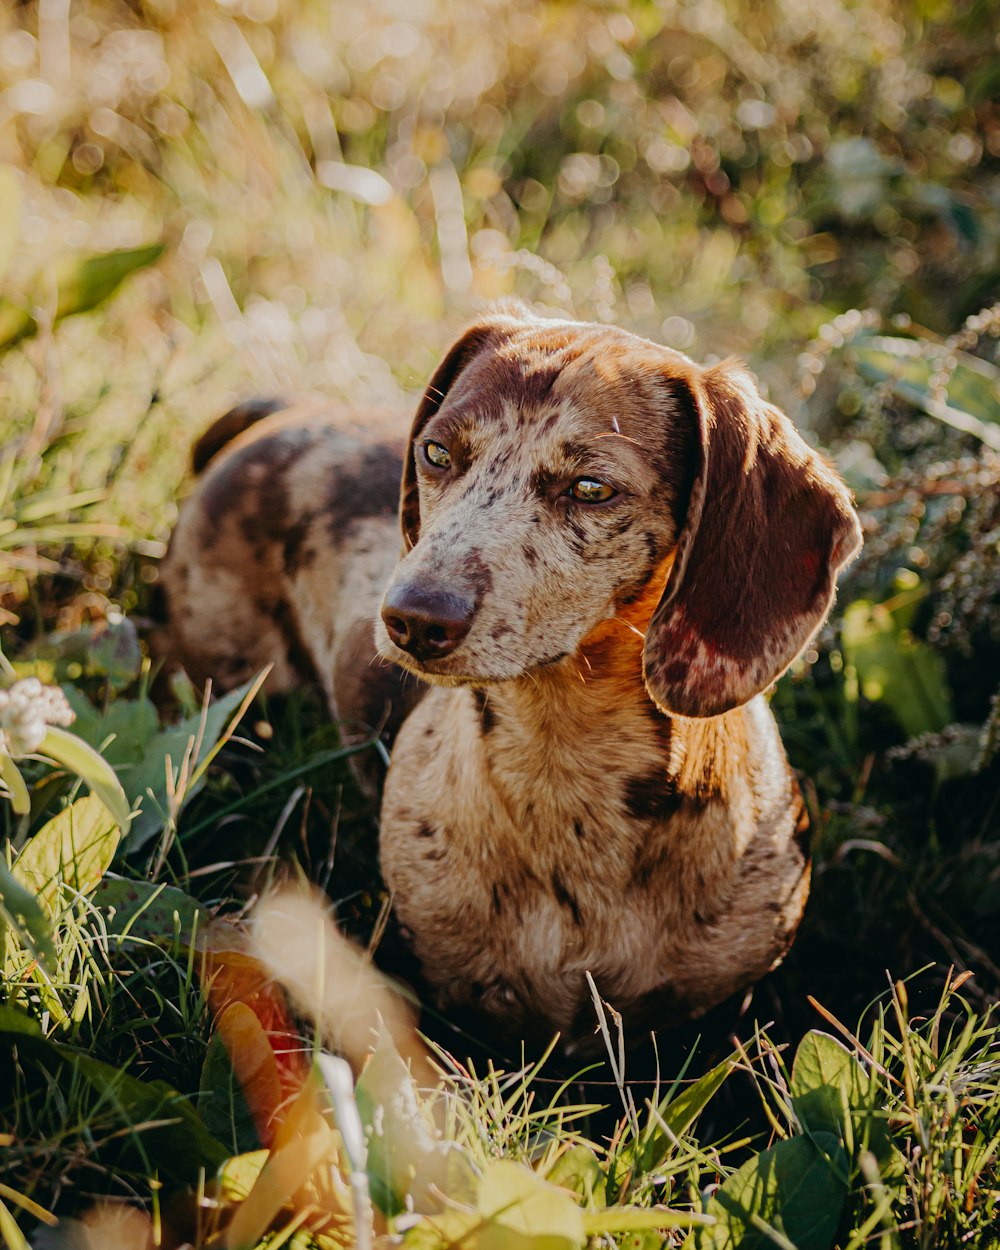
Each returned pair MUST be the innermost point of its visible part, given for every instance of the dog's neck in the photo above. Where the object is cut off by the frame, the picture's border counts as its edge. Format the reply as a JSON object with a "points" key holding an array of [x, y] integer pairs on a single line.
{"points": [[593, 706]]}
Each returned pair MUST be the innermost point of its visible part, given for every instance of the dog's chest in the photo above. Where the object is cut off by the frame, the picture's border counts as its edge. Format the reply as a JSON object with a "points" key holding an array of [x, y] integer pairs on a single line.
{"points": [[516, 872]]}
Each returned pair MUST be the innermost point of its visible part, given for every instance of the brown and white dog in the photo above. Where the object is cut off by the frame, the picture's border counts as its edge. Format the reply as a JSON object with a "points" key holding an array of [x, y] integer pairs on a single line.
{"points": [[608, 554]]}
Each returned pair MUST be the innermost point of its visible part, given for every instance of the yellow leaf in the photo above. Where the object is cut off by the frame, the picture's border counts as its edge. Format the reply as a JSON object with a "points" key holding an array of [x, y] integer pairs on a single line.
{"points": [[74, 848]]}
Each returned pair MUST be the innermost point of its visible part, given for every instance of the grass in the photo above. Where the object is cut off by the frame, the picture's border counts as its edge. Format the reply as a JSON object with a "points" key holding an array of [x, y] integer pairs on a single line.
{"points": [[335, 191]]}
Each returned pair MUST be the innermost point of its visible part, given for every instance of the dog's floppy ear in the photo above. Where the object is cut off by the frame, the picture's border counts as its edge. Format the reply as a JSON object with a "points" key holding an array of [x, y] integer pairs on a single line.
{"points": [[769, 525], [477, 338]]}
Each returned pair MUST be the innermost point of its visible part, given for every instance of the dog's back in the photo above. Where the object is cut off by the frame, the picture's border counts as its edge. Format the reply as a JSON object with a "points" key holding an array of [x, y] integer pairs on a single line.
{"points": [[281, 556]]}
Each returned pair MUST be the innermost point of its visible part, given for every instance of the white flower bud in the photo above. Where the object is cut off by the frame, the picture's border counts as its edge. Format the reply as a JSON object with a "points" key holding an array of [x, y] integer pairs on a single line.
{"points": [[26, 711]]}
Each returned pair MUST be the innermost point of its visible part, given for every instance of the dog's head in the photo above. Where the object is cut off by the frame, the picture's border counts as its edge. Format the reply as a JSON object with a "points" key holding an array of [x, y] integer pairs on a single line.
{"points": [[556, 471]]}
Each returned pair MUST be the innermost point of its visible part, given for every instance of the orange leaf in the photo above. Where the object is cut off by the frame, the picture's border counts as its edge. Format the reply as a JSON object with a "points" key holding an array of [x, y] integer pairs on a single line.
{"points": [[234, 978], [254, 1063]]}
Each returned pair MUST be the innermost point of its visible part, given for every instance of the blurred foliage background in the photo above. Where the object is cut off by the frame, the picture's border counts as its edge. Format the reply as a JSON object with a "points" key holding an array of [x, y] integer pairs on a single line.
{"points": [[336, 187]]}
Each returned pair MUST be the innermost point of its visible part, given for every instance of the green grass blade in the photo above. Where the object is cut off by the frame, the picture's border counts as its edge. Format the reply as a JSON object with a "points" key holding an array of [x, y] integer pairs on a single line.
{"points": [[12, 779], [24, 914]]}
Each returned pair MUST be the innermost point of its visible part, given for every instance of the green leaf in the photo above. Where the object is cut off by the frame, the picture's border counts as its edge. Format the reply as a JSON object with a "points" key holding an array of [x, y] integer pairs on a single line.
{"points": [[130, 724], [111, 651], [19, 797], [146, 781], [580, 1171], [75, 847], [166, 1132], [895, 667], [73, 753], [221, 1104], [83, 282], [640, 1219], [155, 913], [832, 1093], [797, 1189], [407, 1158], [676, 1116], [522, 1210], [24, 914]]}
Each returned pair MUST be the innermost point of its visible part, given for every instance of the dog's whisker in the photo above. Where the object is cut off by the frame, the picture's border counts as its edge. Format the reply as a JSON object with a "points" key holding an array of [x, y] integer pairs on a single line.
{"points": [[628, 625], [617, 434]]}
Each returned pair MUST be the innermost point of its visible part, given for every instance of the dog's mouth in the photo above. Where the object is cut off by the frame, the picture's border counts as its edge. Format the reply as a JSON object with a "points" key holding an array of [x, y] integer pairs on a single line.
{"points": [[449, 671]]}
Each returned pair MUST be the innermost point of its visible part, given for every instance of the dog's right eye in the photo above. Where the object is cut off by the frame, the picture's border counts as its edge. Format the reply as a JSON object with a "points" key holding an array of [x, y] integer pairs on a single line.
{"points": [[437, 455]]}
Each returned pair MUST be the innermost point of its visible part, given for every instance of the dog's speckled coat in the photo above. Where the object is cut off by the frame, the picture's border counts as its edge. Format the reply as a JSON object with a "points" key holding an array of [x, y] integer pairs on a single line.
{"points": [[593, 780]]}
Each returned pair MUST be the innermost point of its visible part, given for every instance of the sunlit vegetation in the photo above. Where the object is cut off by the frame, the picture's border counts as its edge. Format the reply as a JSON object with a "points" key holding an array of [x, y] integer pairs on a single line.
{"points": [[202, 201]]}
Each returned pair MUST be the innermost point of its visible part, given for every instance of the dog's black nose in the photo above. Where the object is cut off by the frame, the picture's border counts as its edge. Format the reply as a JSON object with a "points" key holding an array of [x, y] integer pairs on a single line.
{"points": [[427, 623]]}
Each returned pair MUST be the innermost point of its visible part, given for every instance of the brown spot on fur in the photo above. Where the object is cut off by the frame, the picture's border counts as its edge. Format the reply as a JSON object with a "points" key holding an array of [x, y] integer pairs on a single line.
{"points": [[282, 613], [477, 574], [249, 485], [487, 717], [564, 896], [651, 797], [370, 491], [230, 426], [296, 554]]}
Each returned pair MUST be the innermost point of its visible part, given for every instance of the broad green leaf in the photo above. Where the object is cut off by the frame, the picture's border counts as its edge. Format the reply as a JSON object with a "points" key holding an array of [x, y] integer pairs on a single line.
{"points": [[832, 1093], [407, 1158], [111, 651], [797, 1188], [513, 1200], [25, 915], [221, 1103], [83, 282], [130, 724], [73, 753], [826, 1079], [76, 847], [166, 1127], [579, 1170], [155, 913], [146, 781], [895, 667]]}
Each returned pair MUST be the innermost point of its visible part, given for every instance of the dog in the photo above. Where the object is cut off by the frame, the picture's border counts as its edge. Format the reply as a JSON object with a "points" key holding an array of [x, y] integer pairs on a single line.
{"points": [[608, 554]]}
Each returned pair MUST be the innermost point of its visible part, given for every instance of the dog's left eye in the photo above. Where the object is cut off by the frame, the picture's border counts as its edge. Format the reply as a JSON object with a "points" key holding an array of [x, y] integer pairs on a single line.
{"points": [[589, 490], [438, 455]]}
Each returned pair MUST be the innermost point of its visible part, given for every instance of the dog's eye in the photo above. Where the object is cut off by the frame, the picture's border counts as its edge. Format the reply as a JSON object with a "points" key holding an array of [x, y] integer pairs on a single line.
{"points": [[437, 455], [589, 490]]}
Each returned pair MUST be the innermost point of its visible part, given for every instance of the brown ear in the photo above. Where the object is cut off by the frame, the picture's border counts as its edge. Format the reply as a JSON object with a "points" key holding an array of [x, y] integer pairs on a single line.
{"points": [[476, 339], [769, 525]]}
